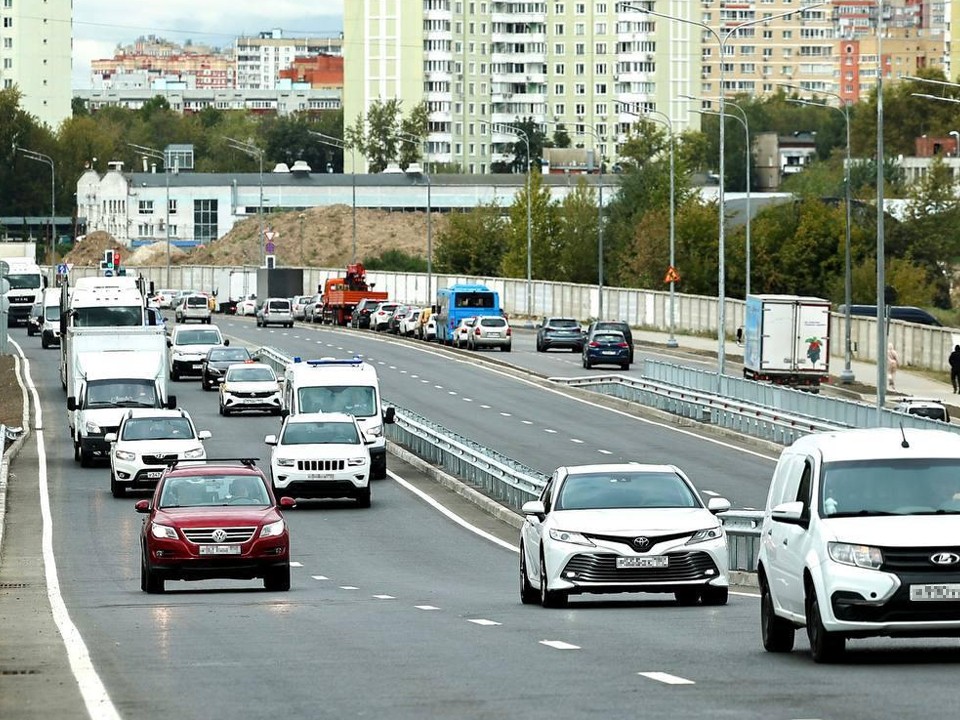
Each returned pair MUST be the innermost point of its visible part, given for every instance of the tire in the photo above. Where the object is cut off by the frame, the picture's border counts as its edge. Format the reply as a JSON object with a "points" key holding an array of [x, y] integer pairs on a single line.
{"points": [[505, 348], [825, 647], [221, 410], [150, 581], [76, 451], [624, 366], [550, 598], [363, 498], [205, 385], [528, 593], [776, 633], [116, 487], [86, 459], [714, 595], [174, 375], [687, 597], [43, 342], [540, 347], [277, 579]]}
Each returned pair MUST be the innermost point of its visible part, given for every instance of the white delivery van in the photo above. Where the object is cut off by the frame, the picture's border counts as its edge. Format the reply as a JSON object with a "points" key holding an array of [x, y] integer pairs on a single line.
{"points": [[347, 386], [50, 324], [27, 282]]}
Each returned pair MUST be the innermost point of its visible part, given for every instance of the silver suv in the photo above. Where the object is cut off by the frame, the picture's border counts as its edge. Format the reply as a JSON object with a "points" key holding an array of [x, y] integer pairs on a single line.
{"points": [[275, 311]]}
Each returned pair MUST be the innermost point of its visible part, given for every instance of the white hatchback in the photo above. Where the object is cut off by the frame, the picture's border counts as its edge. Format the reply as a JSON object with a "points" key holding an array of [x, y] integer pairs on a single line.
{"points": [[622, 528], [320, 455], [146, 442]]}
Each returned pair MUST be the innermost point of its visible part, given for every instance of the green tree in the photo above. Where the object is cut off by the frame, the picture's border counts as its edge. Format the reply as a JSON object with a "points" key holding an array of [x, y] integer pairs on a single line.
{"points": [[543, 256], [396, 261], [472, 243], [25, 183], [576, 236], [377, 135]]}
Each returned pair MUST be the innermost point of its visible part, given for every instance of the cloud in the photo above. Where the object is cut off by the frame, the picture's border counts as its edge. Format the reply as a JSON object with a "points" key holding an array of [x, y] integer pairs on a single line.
{"points": [[100, 25]]}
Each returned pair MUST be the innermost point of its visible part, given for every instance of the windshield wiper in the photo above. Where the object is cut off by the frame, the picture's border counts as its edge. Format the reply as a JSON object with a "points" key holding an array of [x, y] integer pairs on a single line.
{"points": [[936, 512], [860, 513]]}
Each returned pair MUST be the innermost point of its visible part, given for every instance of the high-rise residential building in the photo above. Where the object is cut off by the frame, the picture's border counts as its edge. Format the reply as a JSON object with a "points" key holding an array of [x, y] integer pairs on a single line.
{"points": [[36, 41], [480, 63], [260, 59], [151, 58]]}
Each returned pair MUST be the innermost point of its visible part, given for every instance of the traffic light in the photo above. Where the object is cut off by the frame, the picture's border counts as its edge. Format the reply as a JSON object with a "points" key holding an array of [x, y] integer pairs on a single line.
{"points": [[111, 263]]}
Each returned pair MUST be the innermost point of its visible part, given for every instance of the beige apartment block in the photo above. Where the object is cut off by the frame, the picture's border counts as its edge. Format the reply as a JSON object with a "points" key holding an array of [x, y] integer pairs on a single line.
{"points": [[36, 42], [480, 64]]}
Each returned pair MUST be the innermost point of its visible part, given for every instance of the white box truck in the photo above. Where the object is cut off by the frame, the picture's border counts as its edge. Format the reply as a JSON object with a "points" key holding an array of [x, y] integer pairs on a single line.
{"points": [[243, 286], [26, 284], [787, 340]]}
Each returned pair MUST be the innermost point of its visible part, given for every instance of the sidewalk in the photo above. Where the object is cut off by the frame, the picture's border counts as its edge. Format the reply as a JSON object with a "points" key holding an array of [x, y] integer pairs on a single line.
{"points": [[864, 387]]}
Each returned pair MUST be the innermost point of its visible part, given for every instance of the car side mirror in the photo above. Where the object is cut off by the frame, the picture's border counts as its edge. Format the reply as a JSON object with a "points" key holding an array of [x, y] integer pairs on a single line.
{"points": [[270, 439], [110, 437], [226, 342], [390, 415], [204, 435], [287, 502], [71, 403], [718, 505], [172, 402], [143, 506], [788, 512], [284, 412], [169, 343], [534, 507]]}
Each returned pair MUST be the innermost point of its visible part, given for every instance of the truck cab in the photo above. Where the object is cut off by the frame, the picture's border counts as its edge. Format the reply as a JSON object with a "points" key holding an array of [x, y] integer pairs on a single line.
{"points": [[27, 283]]}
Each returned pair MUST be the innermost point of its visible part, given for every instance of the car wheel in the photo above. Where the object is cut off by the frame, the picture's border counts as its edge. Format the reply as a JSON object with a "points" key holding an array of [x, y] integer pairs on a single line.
{"points": [[624, 366], [150, 581], [86, 458], [205, 385], [777, 634], [539, 346], [714, 595], [76, 451], [277, 578], [116, 487], [825, 647], [504, 348], [363, 498], [43, 342], [528, 593], [174, 375], [687, 597], [549, 598], [221, 409]]}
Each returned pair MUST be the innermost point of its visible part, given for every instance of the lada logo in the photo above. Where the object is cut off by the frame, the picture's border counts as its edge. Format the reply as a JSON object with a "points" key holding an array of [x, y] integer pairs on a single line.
{"points": [[219, 535], [641, 543], [945, 558]]}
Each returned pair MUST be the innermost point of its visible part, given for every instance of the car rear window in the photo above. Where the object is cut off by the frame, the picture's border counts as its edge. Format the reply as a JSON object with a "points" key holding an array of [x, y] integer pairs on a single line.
{"points": [[200, 302], [280, 305], [563, 323], [229, 354], [493, 322], [608, 338]]}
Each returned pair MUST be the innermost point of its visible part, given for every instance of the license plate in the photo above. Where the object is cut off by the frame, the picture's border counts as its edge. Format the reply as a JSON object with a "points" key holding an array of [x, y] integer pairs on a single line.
{"points": [[219, 549], [493, 334], [249, 401], [196, 366], [655, 561], [154, 474], [319, 476], [942, 591], [609, 352]]}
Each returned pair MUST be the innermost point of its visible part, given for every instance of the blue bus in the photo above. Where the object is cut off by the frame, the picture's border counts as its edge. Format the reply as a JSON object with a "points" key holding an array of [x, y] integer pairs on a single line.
{"points": [[457, 302]]}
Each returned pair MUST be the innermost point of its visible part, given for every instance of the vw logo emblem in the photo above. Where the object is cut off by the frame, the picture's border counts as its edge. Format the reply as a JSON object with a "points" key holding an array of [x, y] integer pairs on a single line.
{"points": [[945, 558], [219, 535], [641, 543]]}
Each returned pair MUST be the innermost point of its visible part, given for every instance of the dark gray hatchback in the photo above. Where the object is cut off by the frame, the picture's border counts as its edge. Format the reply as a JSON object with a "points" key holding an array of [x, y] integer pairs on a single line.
{"points": [[618, 325]]}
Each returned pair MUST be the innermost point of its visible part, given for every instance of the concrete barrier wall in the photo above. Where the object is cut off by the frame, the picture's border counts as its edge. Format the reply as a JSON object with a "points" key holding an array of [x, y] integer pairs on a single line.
{"points": [[919, 346]]}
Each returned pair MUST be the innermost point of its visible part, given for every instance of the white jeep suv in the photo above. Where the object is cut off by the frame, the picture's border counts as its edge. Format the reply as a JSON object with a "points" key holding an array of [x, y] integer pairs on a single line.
{"points": [[146, 442], [861, 538], [320, 455]]}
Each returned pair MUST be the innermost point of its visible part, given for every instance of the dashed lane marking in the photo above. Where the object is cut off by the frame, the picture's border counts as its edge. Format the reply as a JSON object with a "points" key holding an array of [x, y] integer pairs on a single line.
{"points": [[559, 645], [710, 492], [605, 452], [296, 564], [527, 422], [576, 440], [548, 430], [349, 587], [384, 597], [507, 414], [319, 577], [666, 678], [426, 607], [481, 621]]}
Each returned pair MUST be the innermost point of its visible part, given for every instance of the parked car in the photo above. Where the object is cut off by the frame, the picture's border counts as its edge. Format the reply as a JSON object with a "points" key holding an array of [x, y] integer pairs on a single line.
{"points": [[859, 539], [606, 347], [217, 360], [250, 386], [275, 311], [146, 442], [217, 519], [560, 332], [380, 318], [312, 309], [320, 455], [393, 324], [408, 323], [247, 306], [924, 407], [622, 528], [360, 317], [490, 331], [617, 325], [426, 328], [297, 305], [461, 331]]}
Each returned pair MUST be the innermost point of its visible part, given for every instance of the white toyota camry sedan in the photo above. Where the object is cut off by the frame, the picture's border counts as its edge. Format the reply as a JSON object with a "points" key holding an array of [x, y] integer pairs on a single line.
{"points": [[622, 528]]}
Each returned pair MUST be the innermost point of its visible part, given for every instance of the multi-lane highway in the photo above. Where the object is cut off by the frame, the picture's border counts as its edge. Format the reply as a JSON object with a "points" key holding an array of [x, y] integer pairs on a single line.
{"points": [[399, 612]]}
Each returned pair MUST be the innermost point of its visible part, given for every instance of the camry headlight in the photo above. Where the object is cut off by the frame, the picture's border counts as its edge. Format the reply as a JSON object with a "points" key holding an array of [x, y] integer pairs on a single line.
{"points": [[272, 530], [194, 453], [354, 462], [285, 462], [714, 533], [124, 455], [570, 537], [862, 556], [164, 532], [92, 427]]}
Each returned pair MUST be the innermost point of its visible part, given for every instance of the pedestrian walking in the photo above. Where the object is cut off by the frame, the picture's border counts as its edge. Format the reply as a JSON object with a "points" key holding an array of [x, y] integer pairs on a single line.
{"points": [[954, 361], [893, 362]]}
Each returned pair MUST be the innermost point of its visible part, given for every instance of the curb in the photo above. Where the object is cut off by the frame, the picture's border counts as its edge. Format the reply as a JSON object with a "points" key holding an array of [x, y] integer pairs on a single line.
{"points": [[14, 450]]}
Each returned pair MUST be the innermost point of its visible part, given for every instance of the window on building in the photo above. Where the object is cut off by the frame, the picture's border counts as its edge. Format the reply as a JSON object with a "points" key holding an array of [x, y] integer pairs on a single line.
{"points": [[8, 22], [205, 220], [172, 207], [559, 69], [146, 207]]}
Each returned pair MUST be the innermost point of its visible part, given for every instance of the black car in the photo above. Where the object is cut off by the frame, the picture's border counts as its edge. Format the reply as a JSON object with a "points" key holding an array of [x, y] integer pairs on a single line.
{"points": [[35, 319], [617, 325], [360, 317], [215, 364], [606, 347], [559, 332]]}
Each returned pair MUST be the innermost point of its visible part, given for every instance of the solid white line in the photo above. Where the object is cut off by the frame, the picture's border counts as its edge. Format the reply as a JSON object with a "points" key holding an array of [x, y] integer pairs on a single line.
{"points": [[348, 587], [559, 645], [453, 516], [426, 607], [92, 689], [384, 597], [481, 621], [319, 577], [666, 678], [743, 594]]}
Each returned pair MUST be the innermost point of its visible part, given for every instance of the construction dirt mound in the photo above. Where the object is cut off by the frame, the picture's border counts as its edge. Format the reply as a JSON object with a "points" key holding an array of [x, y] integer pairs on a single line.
{"points": [[89, 251], [155, 254]]}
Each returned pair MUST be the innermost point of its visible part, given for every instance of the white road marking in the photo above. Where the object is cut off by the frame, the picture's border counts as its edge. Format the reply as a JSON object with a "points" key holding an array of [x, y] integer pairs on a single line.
{"points": [[527, 422], [485, 407], [94, 693], [481, 621], [384, 597], [439, 387], [468, 399], [393, 367], [426, 607], [349, 587], [666, 678], [319, 577], [605, 452], [424, 381], [743, 594], [296, 564], [451, 392], [576, 440], [548, 430], [559, 645], [414, 376], [506, 414], [404, 372], [710, 492]]}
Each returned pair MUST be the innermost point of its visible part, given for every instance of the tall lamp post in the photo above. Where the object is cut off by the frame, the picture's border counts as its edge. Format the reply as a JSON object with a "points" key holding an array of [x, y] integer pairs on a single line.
{"points": [[253, 151], [846, 375], [664, 118], [335, 142], [157, 155], [418, 142], [46, 159], [721, 39], [881, 259]]}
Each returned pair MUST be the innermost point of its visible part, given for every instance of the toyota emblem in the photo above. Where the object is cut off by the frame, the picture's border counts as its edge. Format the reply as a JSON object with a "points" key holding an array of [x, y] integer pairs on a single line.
{"points": [[945, 558], [219, 535], [641, 543]]}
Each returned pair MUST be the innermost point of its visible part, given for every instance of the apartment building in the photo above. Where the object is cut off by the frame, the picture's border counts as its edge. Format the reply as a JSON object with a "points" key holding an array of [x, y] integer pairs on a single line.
{"points": [[36, 41], [150, 58], [478, 63], [260, 59]]}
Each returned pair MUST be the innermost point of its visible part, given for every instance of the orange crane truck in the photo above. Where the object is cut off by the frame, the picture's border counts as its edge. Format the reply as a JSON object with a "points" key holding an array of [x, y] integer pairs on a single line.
{"points": [[341, 295]]}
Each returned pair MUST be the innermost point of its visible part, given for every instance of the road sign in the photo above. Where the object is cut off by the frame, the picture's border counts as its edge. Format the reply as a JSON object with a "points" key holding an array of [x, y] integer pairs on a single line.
{"points": [[270, 234], [270, 248], [672, 275], [61, 269], [108, 272]]}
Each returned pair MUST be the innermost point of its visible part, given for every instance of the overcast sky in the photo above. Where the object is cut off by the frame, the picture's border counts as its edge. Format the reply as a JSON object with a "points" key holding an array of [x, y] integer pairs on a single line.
{"points": [[100, 25]]}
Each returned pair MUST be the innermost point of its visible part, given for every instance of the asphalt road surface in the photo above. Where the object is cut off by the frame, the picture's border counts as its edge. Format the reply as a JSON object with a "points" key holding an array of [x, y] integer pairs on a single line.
{"points": [[399, 612]]}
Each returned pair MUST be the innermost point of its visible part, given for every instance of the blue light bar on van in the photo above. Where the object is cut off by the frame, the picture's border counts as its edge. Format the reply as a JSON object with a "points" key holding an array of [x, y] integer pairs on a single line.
{"points": [[356, 360]]}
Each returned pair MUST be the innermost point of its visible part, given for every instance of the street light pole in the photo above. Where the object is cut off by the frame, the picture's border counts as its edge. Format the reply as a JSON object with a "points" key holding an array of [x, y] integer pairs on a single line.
{"points": [[846, 375], [253, 151], [417, 142], [335, 142], [517, 132], [881, 260], [157, 155], [46, 159], [722, 43]]}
